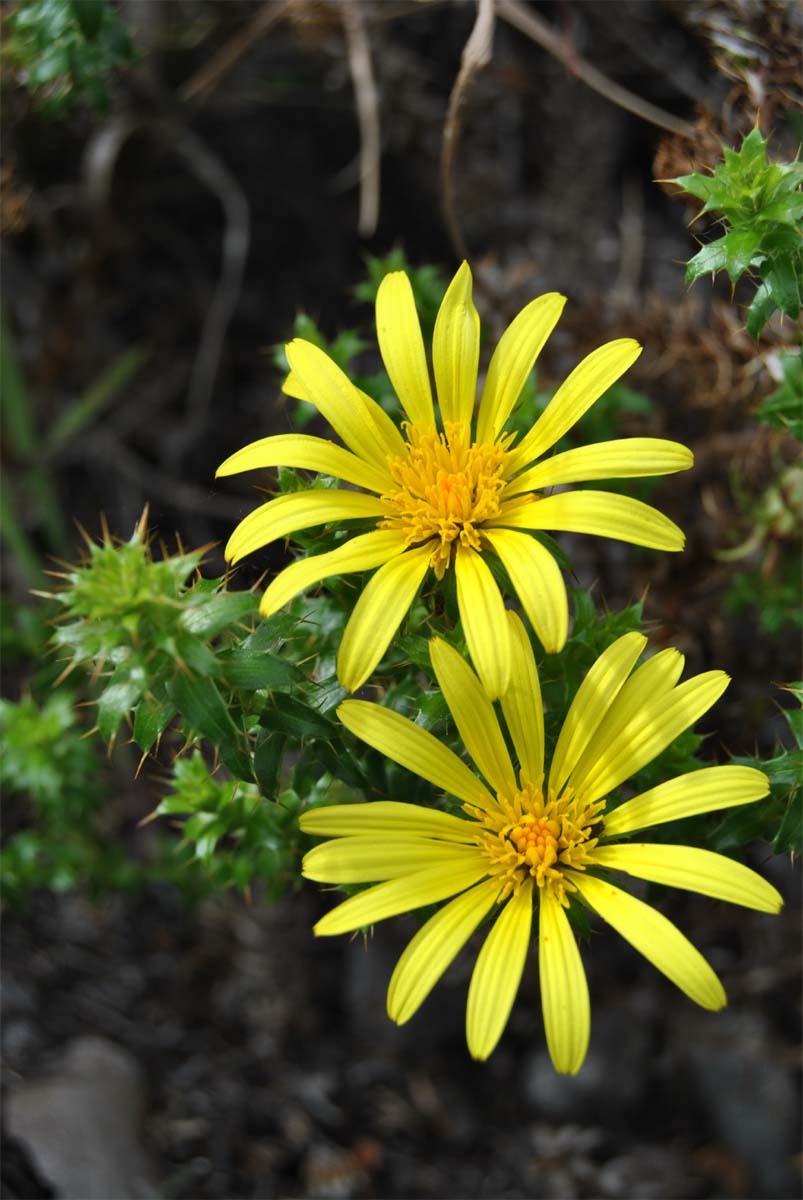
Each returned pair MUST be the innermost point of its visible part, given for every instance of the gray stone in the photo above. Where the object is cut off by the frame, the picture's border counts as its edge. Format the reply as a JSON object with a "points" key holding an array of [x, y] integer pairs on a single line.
{"points": [[80, 1124], [750, 1094]]}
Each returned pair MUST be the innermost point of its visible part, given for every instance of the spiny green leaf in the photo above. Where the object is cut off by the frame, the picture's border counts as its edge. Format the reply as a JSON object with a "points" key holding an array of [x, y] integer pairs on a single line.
{"points": [[741, 247], [290, 715], [761, 309], [250, 671], [151, 717], [709, 259], [212, 614], [200, 701], [789, 838], [116, 700], [783, 280]]}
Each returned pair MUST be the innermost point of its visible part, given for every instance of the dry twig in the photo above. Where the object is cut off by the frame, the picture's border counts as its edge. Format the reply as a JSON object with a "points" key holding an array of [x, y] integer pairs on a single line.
{"points": [[210, 75], [476, 55], [529, 23], [362, 75]]}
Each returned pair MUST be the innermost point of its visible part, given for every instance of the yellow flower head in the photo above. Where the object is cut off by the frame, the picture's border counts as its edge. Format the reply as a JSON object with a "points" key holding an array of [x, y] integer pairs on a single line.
{"points": [[446, 497], [532, 838]]}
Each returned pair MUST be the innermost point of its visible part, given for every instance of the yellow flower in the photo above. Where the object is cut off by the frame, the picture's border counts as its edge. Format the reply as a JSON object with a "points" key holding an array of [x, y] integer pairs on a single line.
{"points": [[530, 840], [448, 497]]}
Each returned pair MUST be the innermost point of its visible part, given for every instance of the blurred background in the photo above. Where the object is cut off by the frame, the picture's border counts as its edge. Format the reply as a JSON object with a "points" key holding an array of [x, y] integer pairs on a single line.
{"points": [[180, 180]]}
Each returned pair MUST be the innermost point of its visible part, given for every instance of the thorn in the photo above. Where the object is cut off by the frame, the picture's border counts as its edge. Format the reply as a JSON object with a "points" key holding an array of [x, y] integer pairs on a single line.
{"points": [[84, 534], [89, 732], [140, 763], [71, 665], [141, 528], [147, 820]]}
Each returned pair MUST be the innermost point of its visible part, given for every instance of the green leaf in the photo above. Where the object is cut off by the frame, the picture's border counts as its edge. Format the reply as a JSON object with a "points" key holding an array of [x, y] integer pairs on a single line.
{"points": [[783, 281], [116, 701], [711, 258], [151, 718], [289, 715], [200, 702], [696, 185], [741, 247], [212, 614], [784, 408], [268, 761], [786, 210], [249, 671], [761, 309], [794, 716], [789, 838], [753, 151]]}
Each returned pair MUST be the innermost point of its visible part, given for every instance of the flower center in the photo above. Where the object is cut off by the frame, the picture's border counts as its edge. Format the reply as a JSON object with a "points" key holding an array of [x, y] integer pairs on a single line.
{"points": [[447, 486], [535, 837]]}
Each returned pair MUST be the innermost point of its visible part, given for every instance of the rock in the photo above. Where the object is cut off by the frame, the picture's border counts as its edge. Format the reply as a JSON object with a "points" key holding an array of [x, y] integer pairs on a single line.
{"points": [[80, 1124], [749, 1093]]}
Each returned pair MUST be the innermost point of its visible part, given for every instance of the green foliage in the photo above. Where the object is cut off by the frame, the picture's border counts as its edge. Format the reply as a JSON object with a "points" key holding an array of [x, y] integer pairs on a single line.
{"points": [[784, 408], [428, 284], [64, 50], [776, 596], [772, 585], [235, 834], [146, 633], [779, 819], [55, 842], [761, 209], [44, 755]]}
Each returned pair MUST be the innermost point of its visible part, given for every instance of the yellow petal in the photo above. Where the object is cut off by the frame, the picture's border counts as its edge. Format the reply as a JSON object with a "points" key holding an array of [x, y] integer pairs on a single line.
{"points": [[604, 514], [538, 583], [702, 791], [310, 454], [298, 510], [385, 818], [358, 421], [694, 870], [564, 988], [371, 858], [497, 974], [456, 350], [473, 715], [591, 702], [434, 947], [587, 382], [659, 722], [293, 386], [513, 360], [377, 615], [522, 706], [404, 895], [655, 937], [402, 348], [415, 748], [359, 553], [620, 459], [482, 613], [656, 677]]}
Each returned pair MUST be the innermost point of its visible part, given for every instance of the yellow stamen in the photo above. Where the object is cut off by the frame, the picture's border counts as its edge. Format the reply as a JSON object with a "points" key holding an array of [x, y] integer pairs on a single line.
{"points": [[447, 487], [537, 837]]}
